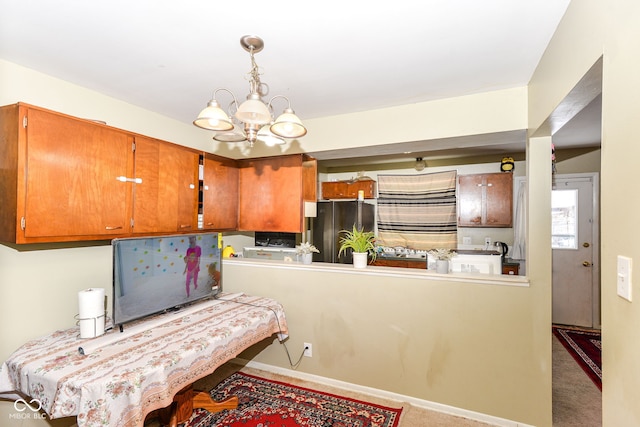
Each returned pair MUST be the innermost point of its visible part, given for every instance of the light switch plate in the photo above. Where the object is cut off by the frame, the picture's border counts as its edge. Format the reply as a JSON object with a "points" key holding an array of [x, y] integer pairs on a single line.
{"points": [[624, 277]]}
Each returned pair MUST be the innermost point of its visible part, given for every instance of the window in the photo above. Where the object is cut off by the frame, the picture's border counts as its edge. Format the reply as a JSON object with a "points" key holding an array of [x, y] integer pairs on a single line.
{"points": [[564, 211]]}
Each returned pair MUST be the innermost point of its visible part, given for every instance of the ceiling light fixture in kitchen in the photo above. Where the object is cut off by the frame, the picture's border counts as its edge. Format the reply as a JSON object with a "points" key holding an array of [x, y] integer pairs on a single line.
{"points": [[253, 120]]}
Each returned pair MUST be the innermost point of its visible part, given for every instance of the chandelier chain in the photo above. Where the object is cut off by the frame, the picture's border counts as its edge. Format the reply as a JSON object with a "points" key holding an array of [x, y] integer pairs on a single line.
{"points": [[256, 86]]}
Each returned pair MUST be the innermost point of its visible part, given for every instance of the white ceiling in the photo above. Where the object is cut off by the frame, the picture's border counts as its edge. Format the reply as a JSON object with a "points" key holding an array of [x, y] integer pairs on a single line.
{"points": [[329, 58]]}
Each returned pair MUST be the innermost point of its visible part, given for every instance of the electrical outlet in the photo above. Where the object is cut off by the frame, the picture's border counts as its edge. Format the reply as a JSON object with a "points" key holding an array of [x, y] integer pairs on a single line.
{"points": [[487, 242], [308, 350]]}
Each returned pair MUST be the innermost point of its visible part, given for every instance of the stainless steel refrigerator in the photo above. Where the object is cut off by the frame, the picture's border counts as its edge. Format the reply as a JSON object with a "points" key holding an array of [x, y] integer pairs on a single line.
{"points": [[334, 216]]}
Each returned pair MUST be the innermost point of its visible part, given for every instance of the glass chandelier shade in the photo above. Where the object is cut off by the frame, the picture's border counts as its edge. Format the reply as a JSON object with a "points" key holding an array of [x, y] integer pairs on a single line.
{"points": [[253, 111], [253, 120], [213, 118], [288, 125]]}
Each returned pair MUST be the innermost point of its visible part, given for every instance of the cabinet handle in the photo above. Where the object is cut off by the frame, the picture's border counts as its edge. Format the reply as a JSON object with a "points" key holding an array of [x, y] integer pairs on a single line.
{"points": [[183, 226], [192, 186], [125, 179], [119, 227]]}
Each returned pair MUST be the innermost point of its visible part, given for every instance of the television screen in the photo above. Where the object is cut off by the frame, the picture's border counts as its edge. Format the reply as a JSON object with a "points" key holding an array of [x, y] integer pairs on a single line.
{"points": [[155, 274]]}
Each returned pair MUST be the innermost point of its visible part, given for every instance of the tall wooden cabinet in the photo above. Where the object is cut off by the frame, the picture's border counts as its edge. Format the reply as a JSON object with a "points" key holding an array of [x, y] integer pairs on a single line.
{"points": [[485, 200], [273, 191]]}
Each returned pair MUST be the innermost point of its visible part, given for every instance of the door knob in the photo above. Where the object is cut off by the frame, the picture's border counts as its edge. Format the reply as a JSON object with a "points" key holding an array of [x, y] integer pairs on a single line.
{"points": [[586, 245], [586, 263]]}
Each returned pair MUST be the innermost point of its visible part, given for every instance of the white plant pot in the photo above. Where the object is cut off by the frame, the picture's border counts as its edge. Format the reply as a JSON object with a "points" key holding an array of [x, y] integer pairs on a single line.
{"points": [[360, 259], [442, 266], [306, 258]]}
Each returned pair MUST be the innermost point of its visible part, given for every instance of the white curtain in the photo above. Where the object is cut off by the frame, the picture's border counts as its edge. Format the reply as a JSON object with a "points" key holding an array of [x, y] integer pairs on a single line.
{"points": [[519, 250]]}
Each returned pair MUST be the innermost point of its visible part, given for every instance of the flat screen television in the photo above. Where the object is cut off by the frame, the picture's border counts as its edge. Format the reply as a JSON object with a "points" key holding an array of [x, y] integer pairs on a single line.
{"points": [[162, 273]]}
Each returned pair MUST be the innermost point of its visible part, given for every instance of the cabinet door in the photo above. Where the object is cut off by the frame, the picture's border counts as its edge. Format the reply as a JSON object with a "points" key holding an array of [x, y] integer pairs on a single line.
{"points": [[470, 200], [499, 200], [334, 190], [219, 193], [72, 188], [271, 194], [347, 190], [165, 201]]}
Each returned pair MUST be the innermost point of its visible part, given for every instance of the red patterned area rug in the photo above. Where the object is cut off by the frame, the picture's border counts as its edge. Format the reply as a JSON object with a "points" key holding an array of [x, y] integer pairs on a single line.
{"points": [[268, 403], [586, 348]]}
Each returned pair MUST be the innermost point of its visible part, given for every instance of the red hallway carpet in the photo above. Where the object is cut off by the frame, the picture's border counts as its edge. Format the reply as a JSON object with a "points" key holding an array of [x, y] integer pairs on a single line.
{"points": [[586, 348]]}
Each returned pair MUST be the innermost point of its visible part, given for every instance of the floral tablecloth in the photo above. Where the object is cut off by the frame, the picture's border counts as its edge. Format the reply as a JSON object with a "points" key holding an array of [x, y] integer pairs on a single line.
{"points": [[119, 383]]}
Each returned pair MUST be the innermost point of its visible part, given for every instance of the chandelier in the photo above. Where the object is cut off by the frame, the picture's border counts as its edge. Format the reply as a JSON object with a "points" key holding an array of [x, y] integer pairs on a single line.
{"points": [[253, 120]]}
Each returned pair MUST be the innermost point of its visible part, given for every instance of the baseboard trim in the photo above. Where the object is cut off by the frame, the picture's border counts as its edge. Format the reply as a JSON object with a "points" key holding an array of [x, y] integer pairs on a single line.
{"points": [[433, 406]]}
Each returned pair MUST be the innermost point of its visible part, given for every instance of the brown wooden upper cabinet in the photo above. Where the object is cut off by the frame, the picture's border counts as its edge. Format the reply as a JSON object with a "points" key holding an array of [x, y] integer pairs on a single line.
{"points": [[60, 177], [485, 200], [68, 179], [348, 189], [273, 191]]}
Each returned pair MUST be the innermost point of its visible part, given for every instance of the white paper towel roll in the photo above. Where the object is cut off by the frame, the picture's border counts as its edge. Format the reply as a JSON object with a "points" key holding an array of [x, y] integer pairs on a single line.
{"points": [[91, 312]]}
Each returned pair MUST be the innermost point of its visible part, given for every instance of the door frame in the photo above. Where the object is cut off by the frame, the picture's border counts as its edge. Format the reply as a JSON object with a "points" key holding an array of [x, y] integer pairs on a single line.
{"points": [[595, 225]]}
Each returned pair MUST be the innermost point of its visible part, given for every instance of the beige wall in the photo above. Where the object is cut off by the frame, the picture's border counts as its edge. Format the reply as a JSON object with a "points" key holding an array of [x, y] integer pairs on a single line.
{"points": [[620, 204], [591, 29], [462, 344]]}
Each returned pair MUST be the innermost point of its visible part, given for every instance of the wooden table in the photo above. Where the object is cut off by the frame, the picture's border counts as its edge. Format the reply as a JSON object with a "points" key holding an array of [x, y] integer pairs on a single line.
{"points": [[119, 383]]}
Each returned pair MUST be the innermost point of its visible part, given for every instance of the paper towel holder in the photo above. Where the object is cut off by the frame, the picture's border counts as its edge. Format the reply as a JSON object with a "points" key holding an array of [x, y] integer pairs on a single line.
{"points": [[95, 323]]}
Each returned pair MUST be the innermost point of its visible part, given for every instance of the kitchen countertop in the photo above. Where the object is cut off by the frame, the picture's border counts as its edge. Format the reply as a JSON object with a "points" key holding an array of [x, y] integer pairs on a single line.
{"points": [[422, 256]]}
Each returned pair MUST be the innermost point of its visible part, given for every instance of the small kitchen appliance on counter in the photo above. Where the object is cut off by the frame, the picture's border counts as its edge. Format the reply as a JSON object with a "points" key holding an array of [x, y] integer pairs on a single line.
{"points": [[272, 246]]}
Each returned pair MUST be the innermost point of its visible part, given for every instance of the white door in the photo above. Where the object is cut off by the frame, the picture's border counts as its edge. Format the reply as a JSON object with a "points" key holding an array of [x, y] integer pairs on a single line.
{"points": [[574, 235]]}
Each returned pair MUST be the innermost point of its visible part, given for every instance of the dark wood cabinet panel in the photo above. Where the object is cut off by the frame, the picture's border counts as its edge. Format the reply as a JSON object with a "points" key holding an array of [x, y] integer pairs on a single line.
{"points": [[402, 263], [511, 268], [485, 200]]}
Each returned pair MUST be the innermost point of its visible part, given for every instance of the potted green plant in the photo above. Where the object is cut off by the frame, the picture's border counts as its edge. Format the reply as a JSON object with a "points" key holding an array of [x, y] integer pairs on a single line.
{"points": [[362, 243], [442, 257]]}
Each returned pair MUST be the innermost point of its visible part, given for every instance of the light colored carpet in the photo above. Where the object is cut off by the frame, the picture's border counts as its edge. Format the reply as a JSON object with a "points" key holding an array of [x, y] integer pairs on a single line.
{"points": [[577, 401]]}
